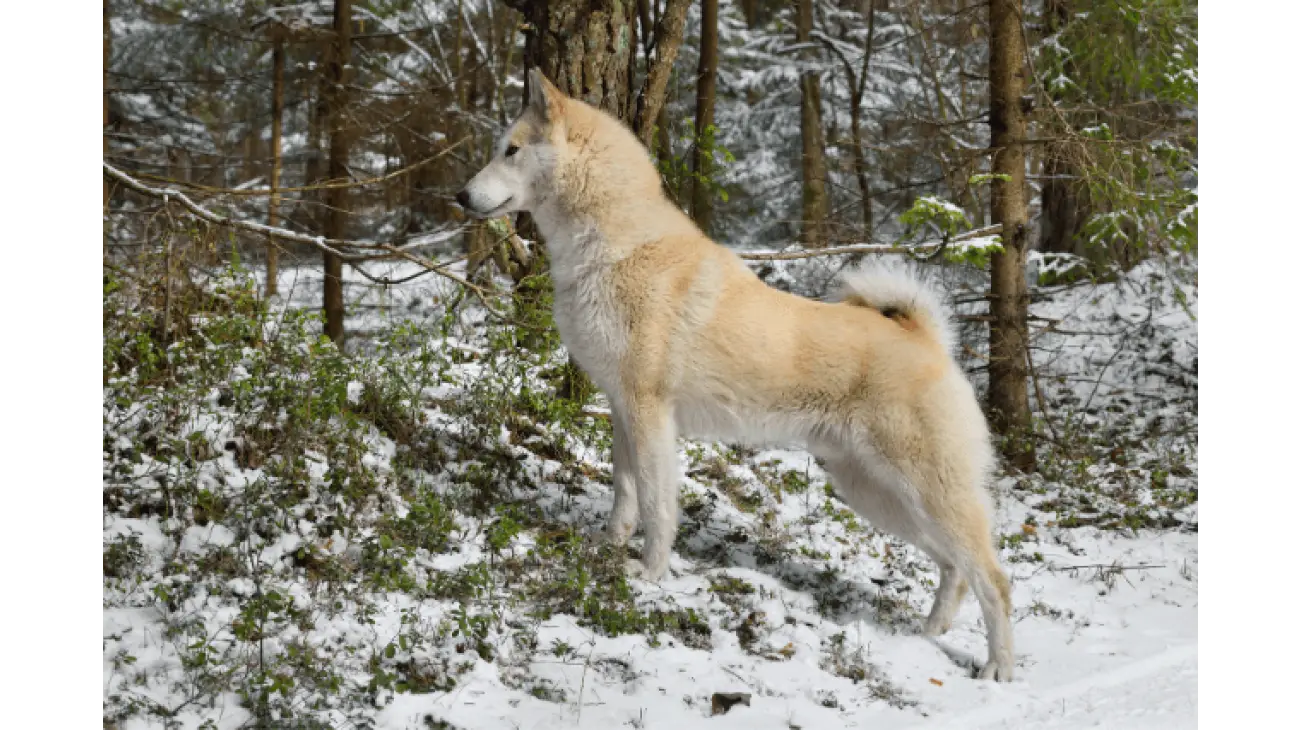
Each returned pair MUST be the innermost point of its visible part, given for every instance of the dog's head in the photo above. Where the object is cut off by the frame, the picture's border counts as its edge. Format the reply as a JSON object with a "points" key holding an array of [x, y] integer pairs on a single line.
{"points": [[522, 170]]}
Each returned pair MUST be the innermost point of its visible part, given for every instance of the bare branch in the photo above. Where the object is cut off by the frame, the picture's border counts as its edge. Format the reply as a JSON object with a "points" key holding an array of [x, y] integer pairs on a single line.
{"points": [[866, 248], [330, 185]]}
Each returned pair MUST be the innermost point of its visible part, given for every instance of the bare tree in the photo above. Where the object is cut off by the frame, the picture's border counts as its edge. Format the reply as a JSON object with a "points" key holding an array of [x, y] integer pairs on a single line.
{"points": [[108, 45], [812, 159], [277, 123], [706, 83], [337, 196], [857, 83], [1009, 294]]}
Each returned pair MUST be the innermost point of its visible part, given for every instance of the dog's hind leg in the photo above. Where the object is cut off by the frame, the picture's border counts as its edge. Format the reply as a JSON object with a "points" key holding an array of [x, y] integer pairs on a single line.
{"points": [[654, 455], [888, 511], [952, 587], [956, 537], [966, 537], [623, 517]]}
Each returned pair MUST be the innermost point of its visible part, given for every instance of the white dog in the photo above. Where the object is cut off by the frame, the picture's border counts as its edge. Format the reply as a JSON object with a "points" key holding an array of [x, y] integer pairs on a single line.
{"points": [[686, 340]]}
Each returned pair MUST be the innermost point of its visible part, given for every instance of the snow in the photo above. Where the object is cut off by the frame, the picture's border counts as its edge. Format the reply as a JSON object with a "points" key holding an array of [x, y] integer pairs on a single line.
{"points": [[1105, 621]]}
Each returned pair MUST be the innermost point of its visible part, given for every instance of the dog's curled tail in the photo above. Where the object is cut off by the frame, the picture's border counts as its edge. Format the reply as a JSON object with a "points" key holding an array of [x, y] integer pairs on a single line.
{"points": [[899, 291]]}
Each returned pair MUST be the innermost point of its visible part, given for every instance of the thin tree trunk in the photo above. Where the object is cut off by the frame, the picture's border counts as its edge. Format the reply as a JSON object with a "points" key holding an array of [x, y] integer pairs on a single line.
{"points": [[105, 35], [318, 118], [277, 120], [812, 162], [108, 46], [855, 115], [338, 167], [667, 40], [1009, 294], [664, 152], [705, 85]]}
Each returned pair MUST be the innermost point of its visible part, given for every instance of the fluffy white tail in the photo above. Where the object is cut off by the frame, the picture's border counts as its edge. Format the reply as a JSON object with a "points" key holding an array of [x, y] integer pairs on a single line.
{"points": [[897, 288]]}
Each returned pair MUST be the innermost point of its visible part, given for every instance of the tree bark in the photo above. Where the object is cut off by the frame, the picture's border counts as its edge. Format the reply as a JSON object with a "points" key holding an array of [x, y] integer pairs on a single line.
{"points": [[340, 58], [812, 162], [706, 83], [1009, 306], [667, 40], [277, 122]]}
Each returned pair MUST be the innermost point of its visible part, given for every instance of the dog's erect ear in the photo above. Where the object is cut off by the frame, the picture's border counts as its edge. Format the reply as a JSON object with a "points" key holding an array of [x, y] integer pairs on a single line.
{"points": [[543, 95]]}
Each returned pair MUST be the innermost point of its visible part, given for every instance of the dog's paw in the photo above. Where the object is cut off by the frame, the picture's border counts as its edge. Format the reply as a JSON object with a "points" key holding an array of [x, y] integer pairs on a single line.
{"points": [[613, 536], [936, 626], [639, 570], [998, 671]]}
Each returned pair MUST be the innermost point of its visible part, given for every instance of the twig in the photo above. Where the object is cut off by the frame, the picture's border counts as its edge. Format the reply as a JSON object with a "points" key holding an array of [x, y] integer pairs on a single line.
{"points": [[1038, 392], [1116, 567]]}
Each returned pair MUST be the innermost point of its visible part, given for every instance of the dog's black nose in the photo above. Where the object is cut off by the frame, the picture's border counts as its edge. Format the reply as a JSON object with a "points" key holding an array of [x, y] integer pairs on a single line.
{"points": [[463, 198]]}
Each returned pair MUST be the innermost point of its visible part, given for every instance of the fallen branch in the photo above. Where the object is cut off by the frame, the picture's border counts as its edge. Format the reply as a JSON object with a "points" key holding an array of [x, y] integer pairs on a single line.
{"points": [[867, 248], [1116, 567]]}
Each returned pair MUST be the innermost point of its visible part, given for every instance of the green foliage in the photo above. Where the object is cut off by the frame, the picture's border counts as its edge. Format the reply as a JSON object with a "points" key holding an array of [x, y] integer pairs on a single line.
{"points": [[678, 170], [945, 220], [1123, 80], [929, 212]]}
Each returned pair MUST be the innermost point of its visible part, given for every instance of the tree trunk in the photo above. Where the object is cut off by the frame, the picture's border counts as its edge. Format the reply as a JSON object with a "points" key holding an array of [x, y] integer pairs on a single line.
{"points": [[277, 120], [1064, 199], [1009, 295], [664, 153], [668, 30], [105, 35], [338, 168], [855, 118], [318, 118], [1064, 206], [705, 85], [108, 46], [812, 162]]}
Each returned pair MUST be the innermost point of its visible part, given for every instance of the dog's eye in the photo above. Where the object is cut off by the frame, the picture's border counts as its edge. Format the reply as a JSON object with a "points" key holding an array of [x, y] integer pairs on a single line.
{"points": [[511, 150]]}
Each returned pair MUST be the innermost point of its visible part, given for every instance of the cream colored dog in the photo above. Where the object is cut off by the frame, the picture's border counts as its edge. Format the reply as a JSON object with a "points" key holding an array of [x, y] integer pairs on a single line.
{"points": [[686, 341]]}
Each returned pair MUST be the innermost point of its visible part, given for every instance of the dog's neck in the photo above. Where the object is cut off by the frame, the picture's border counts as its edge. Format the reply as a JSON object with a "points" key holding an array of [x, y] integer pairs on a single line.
{"points": [[608, 232], [572, 239]]}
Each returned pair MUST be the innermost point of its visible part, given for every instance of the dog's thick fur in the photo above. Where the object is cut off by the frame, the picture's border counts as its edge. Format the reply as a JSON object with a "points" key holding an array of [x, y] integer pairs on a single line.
{"points": [[686, 340]]}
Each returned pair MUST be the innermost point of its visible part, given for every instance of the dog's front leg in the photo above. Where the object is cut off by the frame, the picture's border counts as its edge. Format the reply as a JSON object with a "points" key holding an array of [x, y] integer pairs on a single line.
{"points": [[654, 453], [623, 518]]}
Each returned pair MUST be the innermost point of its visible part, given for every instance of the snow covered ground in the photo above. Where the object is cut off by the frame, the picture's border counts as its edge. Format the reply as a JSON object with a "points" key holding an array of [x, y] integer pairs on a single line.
{"points": [[796, 602]]}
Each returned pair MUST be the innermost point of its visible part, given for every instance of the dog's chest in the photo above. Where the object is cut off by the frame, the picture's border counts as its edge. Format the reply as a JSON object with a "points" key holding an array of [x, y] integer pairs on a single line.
{"points": [[589, 322]]}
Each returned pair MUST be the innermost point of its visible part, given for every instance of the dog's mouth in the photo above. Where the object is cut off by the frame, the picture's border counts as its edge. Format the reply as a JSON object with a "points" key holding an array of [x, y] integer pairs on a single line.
{"points": [[489, 213]]}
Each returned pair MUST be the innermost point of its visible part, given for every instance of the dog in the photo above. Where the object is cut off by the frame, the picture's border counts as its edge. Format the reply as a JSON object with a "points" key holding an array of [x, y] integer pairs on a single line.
{"points": [[685, 340]]}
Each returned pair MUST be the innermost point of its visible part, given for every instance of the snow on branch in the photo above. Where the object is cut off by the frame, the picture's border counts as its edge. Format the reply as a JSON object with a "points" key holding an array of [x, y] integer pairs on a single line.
{"points": [[869, 248]]}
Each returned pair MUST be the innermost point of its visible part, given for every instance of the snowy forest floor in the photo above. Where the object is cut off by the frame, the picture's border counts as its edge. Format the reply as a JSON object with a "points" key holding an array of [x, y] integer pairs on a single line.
{"points": [[405, 537]]}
